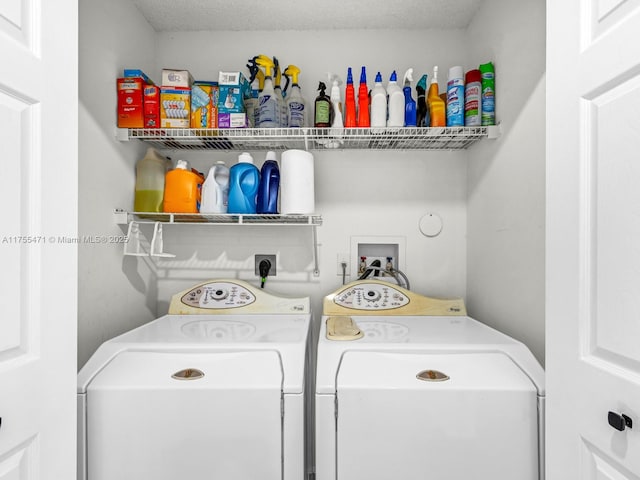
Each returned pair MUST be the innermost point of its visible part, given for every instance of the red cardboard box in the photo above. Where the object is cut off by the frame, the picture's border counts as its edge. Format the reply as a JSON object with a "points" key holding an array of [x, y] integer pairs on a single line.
{"points": [[130, 102], [151, 106]]}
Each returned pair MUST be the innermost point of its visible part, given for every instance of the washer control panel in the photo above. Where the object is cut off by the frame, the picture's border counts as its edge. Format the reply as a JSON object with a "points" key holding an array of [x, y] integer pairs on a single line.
{"points": [[371, 296], [218, 295]]}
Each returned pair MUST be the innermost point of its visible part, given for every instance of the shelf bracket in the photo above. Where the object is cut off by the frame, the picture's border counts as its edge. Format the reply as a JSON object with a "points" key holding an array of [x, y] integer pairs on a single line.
{"points": [[157, 243], [133, 245]]}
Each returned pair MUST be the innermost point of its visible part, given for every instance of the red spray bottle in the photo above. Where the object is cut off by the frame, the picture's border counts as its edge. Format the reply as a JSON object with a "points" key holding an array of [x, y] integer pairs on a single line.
{"points": [[349, 102], [363, 101]]}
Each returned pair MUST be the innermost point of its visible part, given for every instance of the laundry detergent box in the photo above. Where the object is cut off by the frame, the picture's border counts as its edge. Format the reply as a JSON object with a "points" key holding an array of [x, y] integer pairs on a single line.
{"points": [[175, 107], [136, 72], [204, 104], [234, 88], [151, 101], [176, 78], [130, 102], [232, 120]]}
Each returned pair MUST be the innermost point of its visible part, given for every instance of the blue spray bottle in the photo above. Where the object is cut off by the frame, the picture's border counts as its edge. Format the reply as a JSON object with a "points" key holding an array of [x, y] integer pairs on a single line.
{"points": [[267, 201], [409, 103]]}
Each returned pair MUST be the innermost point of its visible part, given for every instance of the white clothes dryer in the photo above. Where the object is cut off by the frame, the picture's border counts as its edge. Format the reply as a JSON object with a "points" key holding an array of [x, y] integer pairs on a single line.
{"points": [[410, 387], [213, 389]]}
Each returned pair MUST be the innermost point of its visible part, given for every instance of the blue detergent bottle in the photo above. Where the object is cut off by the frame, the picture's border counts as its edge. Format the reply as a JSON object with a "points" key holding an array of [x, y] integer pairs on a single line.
{"points": [[244, 179], [269, 185]]}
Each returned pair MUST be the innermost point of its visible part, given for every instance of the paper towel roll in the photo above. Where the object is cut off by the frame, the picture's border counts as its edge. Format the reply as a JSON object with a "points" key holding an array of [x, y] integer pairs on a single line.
{"points": [[297, 194]]}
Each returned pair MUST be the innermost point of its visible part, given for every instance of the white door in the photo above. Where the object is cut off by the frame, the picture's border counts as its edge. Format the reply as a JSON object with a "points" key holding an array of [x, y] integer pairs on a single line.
{"points": [[38, 272], [593, 239]]}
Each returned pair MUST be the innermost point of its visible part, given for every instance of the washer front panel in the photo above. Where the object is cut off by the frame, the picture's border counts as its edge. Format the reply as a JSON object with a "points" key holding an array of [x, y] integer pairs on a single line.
{"points": [[218, 295]]}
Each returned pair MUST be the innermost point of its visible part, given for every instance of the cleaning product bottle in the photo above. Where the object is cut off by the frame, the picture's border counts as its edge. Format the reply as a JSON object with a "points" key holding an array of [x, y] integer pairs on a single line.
{"points": [[455, 98], [149, 189], [488, 94], [296, 111], [396, 102], [182, 189], [378, 104], [269, 114], [215, 190], [437, 109], [409, 102], [363, 100], [422, 116], [472, 92], [244, 178], [322, 110], [282, 106], [267, 201], [350, 102], [251, 105], [336, 103]]}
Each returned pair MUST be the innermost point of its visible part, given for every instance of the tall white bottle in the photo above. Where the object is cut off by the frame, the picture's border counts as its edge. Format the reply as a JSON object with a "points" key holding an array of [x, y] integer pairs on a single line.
{"points": [[378, 105], [269, 116], [215, 190], [396, 102]]}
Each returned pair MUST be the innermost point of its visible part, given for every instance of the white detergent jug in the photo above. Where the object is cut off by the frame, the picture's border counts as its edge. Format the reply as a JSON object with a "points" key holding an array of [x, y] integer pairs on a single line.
{"points": [[215, 190]]}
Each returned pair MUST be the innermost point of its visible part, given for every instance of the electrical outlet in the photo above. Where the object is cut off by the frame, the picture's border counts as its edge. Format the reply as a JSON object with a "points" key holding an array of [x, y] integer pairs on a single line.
{"points": [[271, 258], [343, 258]]}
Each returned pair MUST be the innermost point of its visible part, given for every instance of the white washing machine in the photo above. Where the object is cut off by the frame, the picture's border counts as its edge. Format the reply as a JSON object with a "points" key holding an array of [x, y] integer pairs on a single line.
{"points": [[410, 387], [214, 389]]}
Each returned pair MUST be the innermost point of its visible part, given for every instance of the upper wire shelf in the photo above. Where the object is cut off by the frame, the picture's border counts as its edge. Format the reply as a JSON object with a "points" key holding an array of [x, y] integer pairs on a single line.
{"points": [[123, 217], [398, 138]]}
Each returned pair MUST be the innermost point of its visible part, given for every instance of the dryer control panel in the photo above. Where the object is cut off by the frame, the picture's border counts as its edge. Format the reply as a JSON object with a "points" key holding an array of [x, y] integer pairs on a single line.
{"points": [[371, 296], [218, 295]]}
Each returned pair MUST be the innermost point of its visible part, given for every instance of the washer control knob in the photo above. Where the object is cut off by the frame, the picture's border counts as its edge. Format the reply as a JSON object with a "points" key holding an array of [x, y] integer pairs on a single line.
{"points": [[219, 294], [372, 295]]}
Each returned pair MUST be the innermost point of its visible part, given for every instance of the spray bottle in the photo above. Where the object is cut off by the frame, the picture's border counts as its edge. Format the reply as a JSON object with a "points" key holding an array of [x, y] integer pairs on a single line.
{"points": [[422, 116], [378, 104], [409, 102], [396, 102], [437, 109], [363, 100], [322, 111], [296, 111], [268, 116], [282, 106], [336, 103], [349, 102], [256, 80]]}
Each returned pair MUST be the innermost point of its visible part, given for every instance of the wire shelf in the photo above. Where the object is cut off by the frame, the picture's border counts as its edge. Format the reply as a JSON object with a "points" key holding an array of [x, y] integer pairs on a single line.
{"points": [[218, 219], [437, 138]]}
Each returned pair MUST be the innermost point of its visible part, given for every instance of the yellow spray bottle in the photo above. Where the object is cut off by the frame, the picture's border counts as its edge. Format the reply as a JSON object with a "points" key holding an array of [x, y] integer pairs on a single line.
{"points": [[296, 108], [282, 106], [268, 115]]}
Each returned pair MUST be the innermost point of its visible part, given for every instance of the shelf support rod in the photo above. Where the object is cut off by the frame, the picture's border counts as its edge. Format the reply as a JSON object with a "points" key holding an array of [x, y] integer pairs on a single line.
{"points": [[316, 269]]}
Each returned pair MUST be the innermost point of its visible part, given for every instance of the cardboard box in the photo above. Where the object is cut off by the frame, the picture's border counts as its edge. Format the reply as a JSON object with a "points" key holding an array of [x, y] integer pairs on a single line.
{"points": [[232, 120], [175, 107], [176, 78], [135, 72], [151, 101], [234, 88], [130, 102], [204, 105]]}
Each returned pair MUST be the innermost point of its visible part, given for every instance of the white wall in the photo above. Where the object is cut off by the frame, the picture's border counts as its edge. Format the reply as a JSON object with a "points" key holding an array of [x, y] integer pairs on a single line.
{"points": [[505, 256], [115, 294]]}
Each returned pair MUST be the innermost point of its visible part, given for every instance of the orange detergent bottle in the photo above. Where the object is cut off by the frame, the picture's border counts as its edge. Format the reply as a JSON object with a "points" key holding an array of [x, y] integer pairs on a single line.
{"points": [[182, 190], [437, 106]]}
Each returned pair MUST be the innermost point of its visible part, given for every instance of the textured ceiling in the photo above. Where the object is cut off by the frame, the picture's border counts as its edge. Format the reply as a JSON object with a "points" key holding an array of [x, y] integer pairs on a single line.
{"points": [[195, 15]]}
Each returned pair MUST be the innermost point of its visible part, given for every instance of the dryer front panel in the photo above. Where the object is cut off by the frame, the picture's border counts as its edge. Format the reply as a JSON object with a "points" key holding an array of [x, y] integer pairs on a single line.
{"points": [[447, 416], [167, 416]]}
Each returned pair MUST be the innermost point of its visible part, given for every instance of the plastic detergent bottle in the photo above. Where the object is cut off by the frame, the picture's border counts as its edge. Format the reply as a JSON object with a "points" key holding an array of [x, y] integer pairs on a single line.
{"points": [[422, 115], [322, 110], [282, 106], [149, 189], [455, 98], [396, 102], [267, 201], [268, 116], [378, 103], [488, 103], [437, 109], [363, 100], [472, 89], [336, 103], [215, 189], [296, 111], [244, 179], [182, 189], [409, 102]]}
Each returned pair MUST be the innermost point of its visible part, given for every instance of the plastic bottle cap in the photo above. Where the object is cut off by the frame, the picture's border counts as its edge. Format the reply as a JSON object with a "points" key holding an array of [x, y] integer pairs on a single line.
{"points": [[455, 72], [271, 156], [472, 76], [378, 78], [245, 157], [394, 77], [220, 162], [363, 75], [182, 164], [349, 76]]}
